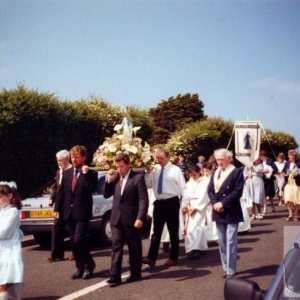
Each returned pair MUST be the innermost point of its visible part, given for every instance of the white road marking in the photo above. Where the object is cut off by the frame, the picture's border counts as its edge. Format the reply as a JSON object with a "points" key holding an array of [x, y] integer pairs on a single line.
{"points": [[93, 288]]}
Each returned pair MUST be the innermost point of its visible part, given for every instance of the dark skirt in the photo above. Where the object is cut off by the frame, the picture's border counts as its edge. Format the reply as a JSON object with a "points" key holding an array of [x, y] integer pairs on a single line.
{"points": [[269, 187]]}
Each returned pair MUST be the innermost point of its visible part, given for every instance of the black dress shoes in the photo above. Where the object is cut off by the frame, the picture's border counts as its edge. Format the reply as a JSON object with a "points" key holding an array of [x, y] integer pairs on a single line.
{"points": [[78, 274], [113, 281], [133, 278], [87, 274]]}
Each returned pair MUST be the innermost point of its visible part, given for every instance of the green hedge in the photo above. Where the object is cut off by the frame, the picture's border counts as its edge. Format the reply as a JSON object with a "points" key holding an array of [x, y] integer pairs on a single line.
{"points": [[203, 137], [34, 126]]}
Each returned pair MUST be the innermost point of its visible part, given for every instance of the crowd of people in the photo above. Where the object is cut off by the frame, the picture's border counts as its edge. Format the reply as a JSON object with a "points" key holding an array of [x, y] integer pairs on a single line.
{"points": [[205, 202]]}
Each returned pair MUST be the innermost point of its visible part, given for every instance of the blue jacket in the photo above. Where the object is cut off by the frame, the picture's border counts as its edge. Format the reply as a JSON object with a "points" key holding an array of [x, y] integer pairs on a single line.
{"points": [[229, 194]]}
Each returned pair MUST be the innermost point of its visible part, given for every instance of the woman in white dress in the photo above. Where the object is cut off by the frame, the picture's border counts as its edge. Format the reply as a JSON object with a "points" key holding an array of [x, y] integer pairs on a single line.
{"points": [[254, 188], [279, 177], [195, 211], [11, 263]]}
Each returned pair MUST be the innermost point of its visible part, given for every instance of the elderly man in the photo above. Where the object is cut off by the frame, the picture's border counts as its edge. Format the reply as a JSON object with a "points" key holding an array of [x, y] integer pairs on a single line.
{"points": [[224, 190], [58, 229]]}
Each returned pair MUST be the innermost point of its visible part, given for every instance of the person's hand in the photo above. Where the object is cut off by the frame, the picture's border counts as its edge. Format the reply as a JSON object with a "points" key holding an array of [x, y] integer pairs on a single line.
{"points": [[85, 169], [192, 211], [111, 175], [149, 169], [50, 202], [218, 207], [138, 224], [56, 215], [184, 210]]}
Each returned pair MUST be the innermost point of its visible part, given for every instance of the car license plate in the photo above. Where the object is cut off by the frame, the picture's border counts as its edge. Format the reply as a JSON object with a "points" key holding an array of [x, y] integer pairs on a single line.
{"points": [[42, 213]]}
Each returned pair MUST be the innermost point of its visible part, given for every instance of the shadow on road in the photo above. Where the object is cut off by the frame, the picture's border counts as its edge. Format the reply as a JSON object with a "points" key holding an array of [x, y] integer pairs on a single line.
{"points": [[258, 272]]}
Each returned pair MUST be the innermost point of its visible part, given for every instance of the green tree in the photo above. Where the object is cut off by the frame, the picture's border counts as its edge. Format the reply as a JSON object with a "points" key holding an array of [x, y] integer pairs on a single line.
{"points": [[172, 114], [203, 137]]}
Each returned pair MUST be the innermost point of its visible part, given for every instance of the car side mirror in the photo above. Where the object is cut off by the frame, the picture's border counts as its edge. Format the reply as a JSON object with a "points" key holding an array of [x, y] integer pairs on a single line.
{"points": [[242, 289]]}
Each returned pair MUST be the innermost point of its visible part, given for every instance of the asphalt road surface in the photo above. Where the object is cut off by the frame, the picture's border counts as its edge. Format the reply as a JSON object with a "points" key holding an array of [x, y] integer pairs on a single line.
{"points": [[260, 252]]}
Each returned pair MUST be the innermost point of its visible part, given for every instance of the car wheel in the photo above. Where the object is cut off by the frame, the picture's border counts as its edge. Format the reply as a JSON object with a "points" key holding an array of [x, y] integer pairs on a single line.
{"points": [[43, 239], [106, 235]]}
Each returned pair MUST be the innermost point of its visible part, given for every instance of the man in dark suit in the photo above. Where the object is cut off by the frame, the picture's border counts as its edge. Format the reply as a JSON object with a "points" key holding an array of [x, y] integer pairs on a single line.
{"points": [[225, 190], [129, 211], [74, 201], [58, 229]]}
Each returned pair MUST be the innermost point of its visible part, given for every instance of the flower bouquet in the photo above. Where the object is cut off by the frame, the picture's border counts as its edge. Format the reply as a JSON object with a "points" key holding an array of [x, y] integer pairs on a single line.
{"points": [[123, 141]]}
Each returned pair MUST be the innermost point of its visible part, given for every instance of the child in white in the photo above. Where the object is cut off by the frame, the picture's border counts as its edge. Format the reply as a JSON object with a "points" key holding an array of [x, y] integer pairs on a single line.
{"points": [[196, 213], [254, 187], [11, 263], [279, 177]]}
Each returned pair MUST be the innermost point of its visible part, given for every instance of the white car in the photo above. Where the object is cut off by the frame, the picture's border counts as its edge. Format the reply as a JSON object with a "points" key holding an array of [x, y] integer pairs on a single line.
{"points": [[37, 216]]}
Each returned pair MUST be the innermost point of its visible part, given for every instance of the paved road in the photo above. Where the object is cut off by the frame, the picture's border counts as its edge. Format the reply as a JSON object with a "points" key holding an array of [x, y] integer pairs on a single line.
{"points": [[260, 252]]}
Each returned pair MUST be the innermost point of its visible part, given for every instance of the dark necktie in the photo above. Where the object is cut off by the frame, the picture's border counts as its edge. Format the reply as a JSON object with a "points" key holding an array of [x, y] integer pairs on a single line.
{"points": [[160, 181], [74, 179]]}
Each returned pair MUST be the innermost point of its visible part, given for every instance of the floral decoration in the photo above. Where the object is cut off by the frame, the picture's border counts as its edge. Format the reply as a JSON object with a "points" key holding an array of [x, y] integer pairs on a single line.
{"points": [[122, 141]]}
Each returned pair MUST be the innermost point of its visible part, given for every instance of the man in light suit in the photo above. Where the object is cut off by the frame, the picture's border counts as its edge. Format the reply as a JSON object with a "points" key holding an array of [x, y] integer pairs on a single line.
{"points": [[75, 202], [225, 190], [129, 211]]}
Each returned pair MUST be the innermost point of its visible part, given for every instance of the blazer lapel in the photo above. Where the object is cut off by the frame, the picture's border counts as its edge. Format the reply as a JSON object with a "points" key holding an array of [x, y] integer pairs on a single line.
{"points": [[131, 174]]}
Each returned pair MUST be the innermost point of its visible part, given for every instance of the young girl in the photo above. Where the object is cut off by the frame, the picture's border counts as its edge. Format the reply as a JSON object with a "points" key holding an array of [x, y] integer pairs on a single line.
{"points": [[254, 187], [195, 239], [11, 263]]}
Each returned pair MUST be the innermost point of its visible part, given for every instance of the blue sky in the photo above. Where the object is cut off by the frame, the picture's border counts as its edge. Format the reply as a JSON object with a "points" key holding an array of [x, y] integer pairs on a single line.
{"points": [[241, 57]]}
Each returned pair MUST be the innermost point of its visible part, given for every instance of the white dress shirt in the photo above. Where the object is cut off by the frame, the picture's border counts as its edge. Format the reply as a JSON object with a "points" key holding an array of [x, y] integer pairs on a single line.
{"points": [[174, 184]]}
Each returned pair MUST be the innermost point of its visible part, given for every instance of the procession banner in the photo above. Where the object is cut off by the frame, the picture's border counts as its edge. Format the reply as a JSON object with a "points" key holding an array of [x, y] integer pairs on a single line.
{"points": [[247, 141]]}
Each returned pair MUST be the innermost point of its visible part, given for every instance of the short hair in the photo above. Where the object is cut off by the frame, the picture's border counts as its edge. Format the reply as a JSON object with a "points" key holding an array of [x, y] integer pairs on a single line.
{"points": [[163, 150], [122, 157], [281, 155], [63, 153], [194, 168], [294, 153], [201, 157], [224, 152], [263, 153], [207, 165], [79, 149]]}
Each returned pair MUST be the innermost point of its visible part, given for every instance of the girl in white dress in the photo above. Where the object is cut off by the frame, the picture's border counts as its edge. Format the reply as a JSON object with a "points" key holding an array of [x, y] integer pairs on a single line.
{"points": [[279, 177], [254, 187], [11, 263], [195, 211]]}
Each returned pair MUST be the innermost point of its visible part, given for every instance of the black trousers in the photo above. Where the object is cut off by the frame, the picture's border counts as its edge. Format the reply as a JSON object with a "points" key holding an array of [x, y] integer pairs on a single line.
{"points": [[57, 239], [132, 235], [78, 231], [165, 211]]}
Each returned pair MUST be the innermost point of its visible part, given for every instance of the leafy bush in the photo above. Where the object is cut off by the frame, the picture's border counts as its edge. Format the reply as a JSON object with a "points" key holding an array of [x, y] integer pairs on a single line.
{"points": [[203, 137], [34, 126]]}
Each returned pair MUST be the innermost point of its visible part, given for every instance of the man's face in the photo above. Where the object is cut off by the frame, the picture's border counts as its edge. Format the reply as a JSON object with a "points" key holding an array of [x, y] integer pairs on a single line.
{"points": [[122, 168], [62, 162], [222, 160], [77, 160], [162, 158]]}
